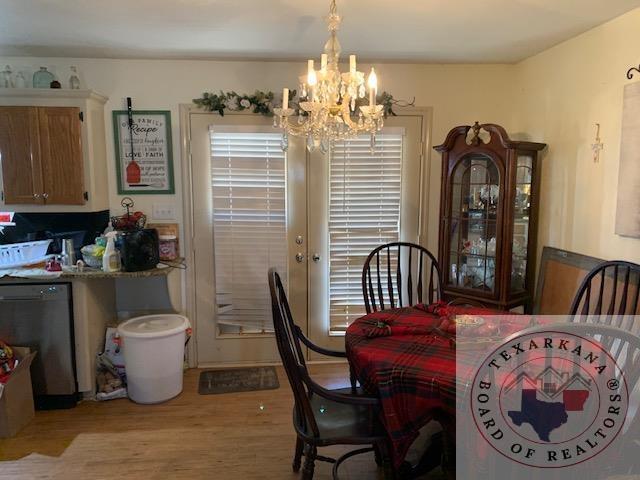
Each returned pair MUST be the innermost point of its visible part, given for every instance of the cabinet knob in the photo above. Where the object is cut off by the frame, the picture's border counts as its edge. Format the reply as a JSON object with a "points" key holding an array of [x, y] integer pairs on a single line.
{"points": [[45, 195], [36, 195]]}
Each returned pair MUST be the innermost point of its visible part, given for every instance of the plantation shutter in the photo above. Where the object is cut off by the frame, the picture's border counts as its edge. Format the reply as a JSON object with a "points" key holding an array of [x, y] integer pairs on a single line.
{"points": [[249, 224], [364, 212]]}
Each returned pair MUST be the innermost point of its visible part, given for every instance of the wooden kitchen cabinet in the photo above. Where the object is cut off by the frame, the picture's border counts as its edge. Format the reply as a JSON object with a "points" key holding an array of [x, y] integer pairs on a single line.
{"points": [[41, 152], [53, 150], [20, 155], [61, 154]]}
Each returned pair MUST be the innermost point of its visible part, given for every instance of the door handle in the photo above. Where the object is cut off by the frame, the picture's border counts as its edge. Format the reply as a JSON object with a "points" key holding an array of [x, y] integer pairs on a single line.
{"points": [[28, 298], [299, 257]]}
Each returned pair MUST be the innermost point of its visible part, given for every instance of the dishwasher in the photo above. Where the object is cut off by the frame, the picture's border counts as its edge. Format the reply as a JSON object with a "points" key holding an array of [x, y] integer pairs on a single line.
{"points": [[40, 316]]}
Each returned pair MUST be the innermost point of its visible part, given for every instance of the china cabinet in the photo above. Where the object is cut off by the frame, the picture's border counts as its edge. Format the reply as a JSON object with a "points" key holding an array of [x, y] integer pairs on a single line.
{"points": [[488, 216]]}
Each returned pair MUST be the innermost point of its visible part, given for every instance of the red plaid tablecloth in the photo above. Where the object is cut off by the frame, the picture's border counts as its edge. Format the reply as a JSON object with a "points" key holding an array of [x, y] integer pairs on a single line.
{"points": [[407, 357]]}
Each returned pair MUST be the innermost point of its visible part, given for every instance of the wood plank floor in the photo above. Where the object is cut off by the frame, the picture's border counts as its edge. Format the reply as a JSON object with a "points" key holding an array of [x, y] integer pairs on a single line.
{"points": [[213, 437]]}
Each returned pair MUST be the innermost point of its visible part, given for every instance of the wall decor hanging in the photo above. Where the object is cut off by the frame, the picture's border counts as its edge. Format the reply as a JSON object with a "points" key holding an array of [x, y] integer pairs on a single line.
{"points": [[628, 211], [631, 72], [143, 151]]}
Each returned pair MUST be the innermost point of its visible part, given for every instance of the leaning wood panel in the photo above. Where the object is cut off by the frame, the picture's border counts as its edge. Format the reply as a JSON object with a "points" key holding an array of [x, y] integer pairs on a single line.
{"points": [[560, 276]]}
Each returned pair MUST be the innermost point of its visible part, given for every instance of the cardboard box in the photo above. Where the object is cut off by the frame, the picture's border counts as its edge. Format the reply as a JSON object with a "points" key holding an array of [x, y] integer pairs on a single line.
{"points": [[16, 400]]}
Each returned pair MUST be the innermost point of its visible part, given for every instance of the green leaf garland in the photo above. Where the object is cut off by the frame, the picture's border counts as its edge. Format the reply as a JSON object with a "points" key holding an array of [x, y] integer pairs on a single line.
{"points": [[262, 103]]}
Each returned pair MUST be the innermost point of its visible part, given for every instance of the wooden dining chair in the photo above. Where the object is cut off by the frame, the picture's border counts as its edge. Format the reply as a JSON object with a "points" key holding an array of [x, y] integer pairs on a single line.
{"points": [[611, 291], [323, 417], [400, 274]]}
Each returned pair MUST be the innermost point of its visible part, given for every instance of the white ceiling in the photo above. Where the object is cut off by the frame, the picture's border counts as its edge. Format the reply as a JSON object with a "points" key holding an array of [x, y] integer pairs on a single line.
{"points": [[477, 31]]}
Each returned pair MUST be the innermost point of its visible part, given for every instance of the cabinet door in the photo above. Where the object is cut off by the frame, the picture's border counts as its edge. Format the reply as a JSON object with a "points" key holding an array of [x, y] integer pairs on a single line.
{"points": [[473, 225], [20, 155], [61, 150]]}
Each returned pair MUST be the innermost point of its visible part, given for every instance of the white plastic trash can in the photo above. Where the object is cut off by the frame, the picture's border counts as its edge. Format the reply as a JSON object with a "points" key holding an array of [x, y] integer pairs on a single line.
{"points": [[153, 348]]}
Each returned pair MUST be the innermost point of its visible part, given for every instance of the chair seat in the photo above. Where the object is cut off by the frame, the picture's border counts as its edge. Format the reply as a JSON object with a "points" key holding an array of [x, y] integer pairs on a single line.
{"points": [[341, 423]]}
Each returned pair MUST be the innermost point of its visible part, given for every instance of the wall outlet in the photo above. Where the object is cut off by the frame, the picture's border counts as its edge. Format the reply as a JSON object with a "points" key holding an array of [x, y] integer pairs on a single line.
{"points": [[163, 212]]}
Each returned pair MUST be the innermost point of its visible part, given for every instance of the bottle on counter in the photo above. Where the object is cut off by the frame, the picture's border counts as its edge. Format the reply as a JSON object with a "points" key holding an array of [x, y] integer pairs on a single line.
{"points": [[111, 259]]}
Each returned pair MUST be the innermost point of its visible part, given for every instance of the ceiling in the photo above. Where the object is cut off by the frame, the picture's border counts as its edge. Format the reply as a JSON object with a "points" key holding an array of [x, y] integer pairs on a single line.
{"points": [[451, 31]]}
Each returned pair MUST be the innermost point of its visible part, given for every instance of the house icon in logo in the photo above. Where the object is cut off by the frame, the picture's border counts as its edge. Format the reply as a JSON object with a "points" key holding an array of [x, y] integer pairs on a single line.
{"points": [[546, 399]]}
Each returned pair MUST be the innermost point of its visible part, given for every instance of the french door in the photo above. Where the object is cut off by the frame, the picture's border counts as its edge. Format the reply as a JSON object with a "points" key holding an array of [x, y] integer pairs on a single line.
{"points": [[314, 217], [249, 210], [359, 197]]}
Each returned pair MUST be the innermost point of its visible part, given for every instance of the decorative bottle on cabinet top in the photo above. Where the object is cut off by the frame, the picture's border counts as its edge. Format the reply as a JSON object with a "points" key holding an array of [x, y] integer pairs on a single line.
{"points": [[74, 81], [6, 81], [42, 78]]}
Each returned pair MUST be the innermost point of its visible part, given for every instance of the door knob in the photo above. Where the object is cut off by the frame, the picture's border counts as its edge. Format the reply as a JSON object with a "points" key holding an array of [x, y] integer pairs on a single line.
{"points": [[316, 257], [299, 257]]}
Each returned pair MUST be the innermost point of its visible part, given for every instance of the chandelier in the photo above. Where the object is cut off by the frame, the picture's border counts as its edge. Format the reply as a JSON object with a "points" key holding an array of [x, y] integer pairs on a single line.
{"points": [[331, 103]]}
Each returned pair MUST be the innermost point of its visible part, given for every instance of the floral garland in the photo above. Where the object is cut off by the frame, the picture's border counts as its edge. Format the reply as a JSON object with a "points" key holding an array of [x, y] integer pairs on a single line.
{"points": [[263, 103]]}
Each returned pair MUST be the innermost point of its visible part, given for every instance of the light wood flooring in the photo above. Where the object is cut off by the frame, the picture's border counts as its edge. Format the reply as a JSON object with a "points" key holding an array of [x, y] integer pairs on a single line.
{"points": [[214, 437]]}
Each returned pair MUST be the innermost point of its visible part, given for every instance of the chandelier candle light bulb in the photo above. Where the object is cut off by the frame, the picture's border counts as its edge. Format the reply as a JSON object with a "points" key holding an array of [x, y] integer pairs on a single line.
{"points": [[373, 87]]}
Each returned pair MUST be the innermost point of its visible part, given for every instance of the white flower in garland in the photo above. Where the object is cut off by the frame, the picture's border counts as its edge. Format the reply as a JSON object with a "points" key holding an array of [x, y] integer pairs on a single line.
{"points": [[231, 103], [244, 103]]}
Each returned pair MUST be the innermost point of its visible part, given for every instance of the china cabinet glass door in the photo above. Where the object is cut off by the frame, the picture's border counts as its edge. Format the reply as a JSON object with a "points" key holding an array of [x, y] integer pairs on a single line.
{"points": [[521, 220], [473, 231]]}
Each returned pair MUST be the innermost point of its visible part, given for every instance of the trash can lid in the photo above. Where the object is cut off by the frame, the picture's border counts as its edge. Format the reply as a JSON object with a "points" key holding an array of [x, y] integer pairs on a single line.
{"points": [[151, 326]]}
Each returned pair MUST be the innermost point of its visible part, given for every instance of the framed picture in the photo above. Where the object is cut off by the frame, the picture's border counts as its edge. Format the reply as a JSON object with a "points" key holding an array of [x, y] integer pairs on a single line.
{"points": [[144, 153]]}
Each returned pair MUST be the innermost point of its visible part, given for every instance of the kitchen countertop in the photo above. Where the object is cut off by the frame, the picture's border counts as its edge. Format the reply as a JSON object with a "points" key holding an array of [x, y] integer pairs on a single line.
{"points": [[31, 273]]}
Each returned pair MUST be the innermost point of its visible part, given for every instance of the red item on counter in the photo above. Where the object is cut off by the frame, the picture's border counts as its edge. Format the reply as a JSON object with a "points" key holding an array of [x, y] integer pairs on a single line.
{"points": [[53, 265]]}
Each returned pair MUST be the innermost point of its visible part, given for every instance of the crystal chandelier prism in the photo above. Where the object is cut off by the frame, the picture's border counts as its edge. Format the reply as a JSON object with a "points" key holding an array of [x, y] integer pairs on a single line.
{"points": [[329, 109]]}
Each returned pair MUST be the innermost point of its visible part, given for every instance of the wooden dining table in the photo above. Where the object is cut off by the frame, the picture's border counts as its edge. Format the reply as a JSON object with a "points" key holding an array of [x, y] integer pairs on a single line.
{"points": [[407, 357]]}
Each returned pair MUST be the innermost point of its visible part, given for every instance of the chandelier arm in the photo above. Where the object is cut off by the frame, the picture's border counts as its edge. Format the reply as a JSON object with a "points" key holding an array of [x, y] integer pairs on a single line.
{"points": [[346, 114]]}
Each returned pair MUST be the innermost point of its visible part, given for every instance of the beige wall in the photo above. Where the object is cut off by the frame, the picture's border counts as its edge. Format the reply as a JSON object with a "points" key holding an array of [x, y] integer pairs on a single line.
{"points": [[560, 95], [458, 94]]}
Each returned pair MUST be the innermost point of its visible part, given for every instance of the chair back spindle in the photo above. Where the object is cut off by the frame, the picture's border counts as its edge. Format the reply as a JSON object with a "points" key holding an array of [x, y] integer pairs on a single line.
{"points": [[610, 290], [400, 274]]}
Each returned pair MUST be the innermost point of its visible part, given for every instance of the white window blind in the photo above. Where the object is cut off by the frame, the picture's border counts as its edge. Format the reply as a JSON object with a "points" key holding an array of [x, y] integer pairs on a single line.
{"points": [[249, 225], [364, 212]]}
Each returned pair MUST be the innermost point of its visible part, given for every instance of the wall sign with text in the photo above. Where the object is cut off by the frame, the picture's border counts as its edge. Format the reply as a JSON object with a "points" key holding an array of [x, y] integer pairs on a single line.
{"points": [[149, 170]]}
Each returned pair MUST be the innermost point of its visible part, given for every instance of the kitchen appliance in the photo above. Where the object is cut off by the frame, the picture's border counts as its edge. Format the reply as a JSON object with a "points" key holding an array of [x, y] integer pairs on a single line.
{"points": [[68, 252], [139, 249], [39, 316]]}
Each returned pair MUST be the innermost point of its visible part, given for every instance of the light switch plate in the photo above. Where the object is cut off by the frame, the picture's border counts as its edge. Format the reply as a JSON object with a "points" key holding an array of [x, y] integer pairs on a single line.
{"points": [[164, 212]]}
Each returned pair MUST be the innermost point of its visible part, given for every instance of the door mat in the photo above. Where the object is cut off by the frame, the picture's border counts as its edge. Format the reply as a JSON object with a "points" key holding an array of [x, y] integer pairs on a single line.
{"points": [[213, 382]]}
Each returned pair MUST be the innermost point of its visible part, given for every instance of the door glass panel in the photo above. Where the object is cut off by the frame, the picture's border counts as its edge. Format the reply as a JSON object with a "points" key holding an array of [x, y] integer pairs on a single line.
{"points": [[473, 224], [364, 212], [249, 226], [521, 210]]}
